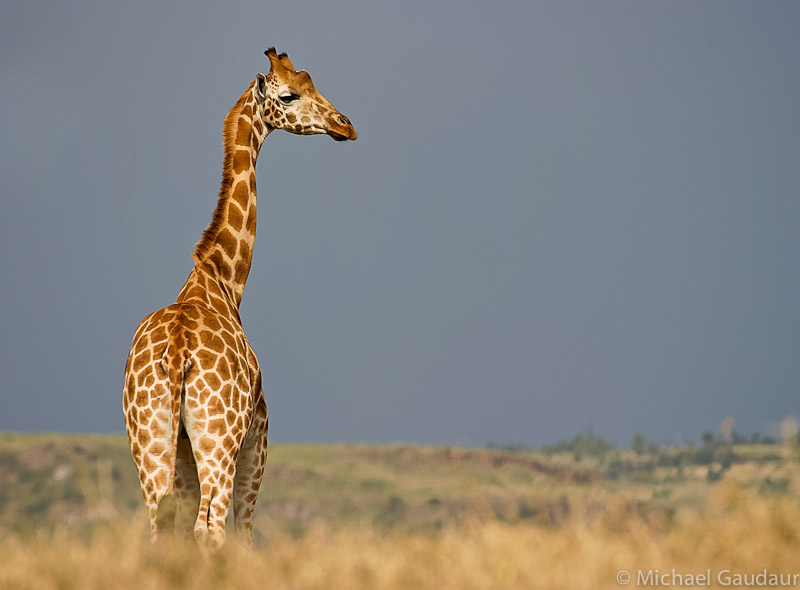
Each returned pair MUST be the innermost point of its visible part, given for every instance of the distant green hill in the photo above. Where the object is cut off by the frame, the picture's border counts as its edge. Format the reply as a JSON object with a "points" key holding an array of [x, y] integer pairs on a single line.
{"points": [[51, 480]]}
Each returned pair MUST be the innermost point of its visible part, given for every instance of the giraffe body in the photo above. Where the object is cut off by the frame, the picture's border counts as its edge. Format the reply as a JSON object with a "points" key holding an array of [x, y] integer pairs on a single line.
{"points": [[195, 411]]}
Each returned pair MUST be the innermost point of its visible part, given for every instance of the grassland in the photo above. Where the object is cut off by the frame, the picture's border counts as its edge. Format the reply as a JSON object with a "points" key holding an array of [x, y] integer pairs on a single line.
{"points": [[399, 516]]}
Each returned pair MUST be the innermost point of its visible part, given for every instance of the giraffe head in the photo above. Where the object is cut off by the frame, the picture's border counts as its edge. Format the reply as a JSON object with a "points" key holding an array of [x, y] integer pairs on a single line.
{"points": [[288, 100]]}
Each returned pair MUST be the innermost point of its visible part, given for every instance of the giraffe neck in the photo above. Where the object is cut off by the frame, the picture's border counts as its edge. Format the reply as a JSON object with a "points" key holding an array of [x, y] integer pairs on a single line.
{"points": [[225, 251]]}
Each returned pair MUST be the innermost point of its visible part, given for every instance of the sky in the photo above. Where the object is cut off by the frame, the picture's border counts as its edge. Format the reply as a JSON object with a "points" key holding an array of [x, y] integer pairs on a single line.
{"points": [[558, 216]]}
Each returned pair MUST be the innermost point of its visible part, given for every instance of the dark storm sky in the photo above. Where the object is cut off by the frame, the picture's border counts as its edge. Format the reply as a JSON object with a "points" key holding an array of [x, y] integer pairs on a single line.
{"points": [[558, 215]]}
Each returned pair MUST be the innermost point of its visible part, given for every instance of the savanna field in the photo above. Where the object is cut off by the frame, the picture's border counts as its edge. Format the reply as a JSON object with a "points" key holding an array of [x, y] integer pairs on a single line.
{"points": [[580, 514]]}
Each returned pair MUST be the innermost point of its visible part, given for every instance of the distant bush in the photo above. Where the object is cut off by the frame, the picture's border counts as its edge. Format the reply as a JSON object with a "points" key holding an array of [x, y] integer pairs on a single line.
{"points": [[584, 444], [516, 448], [774, 486], [392, 513], [619, 468]]}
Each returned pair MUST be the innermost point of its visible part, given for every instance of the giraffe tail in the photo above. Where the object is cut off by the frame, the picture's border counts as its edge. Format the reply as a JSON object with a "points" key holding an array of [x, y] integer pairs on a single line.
{"points": [[176, 367]]}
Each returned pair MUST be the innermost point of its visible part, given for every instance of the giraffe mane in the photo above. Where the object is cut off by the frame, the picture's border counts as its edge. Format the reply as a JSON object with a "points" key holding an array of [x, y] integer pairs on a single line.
{"points": [[229, 129]]}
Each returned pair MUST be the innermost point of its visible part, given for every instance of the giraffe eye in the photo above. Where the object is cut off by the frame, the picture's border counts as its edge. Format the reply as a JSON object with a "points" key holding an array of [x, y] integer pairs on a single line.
{"points": [[289, 98]]}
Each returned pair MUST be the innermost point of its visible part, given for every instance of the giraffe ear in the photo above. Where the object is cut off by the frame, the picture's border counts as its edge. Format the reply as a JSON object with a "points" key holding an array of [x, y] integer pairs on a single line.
{"points": [[261, 87]]}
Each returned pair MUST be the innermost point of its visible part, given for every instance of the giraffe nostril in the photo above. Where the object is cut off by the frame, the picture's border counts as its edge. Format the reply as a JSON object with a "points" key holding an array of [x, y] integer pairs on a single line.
{"points": [[344, 120]]}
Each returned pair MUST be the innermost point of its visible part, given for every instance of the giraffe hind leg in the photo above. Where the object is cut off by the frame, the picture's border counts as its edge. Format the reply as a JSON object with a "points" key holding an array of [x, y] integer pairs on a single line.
{"points": [[215, 459], [150, 439], [215, 443], [212, 514], [249, 472]]}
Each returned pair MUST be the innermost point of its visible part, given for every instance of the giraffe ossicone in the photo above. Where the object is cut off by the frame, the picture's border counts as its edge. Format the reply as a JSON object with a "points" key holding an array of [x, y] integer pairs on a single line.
{"points": [[195, 412]]}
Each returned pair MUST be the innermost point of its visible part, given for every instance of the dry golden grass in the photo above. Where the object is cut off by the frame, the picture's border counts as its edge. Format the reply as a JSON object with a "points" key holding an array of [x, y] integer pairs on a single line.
{"points": [[738, 531]]}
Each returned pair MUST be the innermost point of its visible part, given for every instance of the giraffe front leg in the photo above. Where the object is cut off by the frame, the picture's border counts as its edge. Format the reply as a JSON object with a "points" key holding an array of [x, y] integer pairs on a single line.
{"points": [[249, 472], [187, 487]]}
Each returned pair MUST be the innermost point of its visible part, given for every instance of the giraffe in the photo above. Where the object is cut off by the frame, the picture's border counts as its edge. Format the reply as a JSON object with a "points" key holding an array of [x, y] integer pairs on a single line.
{"points": [[195, 412]]}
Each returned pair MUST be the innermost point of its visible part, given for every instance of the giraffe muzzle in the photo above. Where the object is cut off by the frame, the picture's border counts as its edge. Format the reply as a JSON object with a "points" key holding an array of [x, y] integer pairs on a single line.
{"points": [[342, 129]]}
